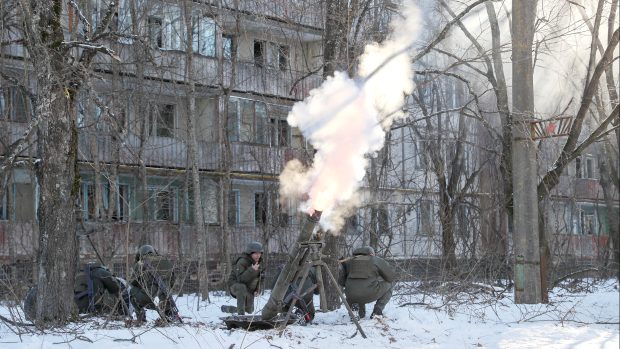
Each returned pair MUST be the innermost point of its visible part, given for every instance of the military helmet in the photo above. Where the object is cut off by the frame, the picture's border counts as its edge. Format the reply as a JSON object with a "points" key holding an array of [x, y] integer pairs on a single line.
{"points": [[365, 250], [145, 250], [254, 247]]}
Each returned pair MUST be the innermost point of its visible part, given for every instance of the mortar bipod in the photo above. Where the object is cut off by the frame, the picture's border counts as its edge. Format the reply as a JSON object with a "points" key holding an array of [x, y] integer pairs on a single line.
{"points": [[309, 256]]}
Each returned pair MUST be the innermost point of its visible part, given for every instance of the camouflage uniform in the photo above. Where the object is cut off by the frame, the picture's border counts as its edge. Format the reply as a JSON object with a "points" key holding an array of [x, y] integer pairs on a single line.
{"points": [[244, 281], [151, 269], [367, 278]]}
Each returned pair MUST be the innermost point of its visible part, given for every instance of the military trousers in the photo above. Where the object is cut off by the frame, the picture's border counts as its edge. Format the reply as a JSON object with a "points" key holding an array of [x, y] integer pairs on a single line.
{"points": [[245, 298], [382, 294]]}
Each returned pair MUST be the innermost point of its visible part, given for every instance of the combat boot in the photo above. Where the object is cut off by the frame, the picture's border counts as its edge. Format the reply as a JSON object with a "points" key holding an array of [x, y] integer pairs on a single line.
{"points": [[376, 312], [362, 311]]}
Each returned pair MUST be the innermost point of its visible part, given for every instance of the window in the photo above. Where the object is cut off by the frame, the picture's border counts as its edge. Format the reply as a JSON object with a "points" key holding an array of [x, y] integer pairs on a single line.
{"points": [[228, 47], [233, 208], [280, 132], [165, 205], [4, 199], [121, 209], [424, 217], [233, 120], [261, 208], [155, 30], [161, 120], [14, 105], [259, 53], [203, 35], [587, 223], [584, 166], [120, 201], [271, 55], [269, 210], [421, 155], [254, 121]]}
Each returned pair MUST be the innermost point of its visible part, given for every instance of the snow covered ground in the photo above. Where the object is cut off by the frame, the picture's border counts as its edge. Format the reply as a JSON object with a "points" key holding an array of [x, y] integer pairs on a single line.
{"points": [[570, 320]]}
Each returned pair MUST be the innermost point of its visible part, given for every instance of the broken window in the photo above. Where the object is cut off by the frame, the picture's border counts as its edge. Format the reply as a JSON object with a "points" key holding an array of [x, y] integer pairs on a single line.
{"points": [[165, 204], [161, 120], [233, 207], [261, 208], [155, 30], [271, 55]]}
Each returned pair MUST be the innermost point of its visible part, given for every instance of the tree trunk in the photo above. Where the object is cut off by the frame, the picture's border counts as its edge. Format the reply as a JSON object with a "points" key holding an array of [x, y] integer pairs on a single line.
{"points": [[192, 147]]}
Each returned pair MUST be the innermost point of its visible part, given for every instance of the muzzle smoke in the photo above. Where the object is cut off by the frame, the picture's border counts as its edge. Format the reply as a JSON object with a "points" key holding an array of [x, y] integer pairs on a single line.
{"points": [[345, 120]]}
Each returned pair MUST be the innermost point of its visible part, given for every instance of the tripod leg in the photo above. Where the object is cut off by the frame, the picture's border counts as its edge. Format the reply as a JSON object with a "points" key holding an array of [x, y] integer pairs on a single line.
{"points": [[343, 298], [321, 285]]}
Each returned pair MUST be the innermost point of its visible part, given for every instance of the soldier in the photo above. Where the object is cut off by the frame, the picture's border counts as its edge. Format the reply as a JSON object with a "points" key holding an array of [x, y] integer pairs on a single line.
{"points": [[367, 278], [309, 288], [244, 279], [95, 290], [153, 276]]}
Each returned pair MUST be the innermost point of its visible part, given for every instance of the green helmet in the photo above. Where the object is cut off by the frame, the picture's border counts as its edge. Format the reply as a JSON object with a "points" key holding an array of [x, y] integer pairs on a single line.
{"points": [[365, 250], [254, 247], [145, 250]]}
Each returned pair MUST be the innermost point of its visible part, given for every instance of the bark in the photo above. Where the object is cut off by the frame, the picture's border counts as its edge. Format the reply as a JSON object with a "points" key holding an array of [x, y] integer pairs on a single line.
{"points": [[59, 74], [332, 60], [192, 146]]}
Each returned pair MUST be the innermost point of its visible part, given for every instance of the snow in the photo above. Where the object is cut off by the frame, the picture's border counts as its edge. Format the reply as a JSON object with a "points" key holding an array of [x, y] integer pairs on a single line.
{"points": [[422, 320]]}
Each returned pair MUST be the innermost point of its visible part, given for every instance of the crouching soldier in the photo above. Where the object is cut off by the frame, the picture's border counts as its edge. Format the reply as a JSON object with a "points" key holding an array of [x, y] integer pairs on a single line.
{"points": [[244, 279], [367, 278], [96, 291], [153, 276]]}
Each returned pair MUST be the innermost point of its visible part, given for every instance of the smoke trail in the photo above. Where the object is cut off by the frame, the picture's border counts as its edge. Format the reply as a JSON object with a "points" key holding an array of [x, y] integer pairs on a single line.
{"points": [[345, 121]]}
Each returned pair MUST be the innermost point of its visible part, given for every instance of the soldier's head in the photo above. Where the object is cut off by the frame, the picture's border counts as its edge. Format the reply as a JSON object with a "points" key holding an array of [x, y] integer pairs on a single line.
{"points": [[145, 250], [366, 250], [255, 250]]}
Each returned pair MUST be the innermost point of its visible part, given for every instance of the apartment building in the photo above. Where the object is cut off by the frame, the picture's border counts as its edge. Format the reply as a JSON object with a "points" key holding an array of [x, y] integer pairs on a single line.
{"points": [[248, 63]]}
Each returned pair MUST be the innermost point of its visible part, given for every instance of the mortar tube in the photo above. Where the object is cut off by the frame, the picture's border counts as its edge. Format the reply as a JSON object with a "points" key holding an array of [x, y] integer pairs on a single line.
{"points": [[276, 300]]}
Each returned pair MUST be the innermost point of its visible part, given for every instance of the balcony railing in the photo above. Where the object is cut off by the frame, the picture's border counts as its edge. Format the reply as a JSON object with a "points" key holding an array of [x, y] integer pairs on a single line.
{"points": [[172, 153], [304, 12]]}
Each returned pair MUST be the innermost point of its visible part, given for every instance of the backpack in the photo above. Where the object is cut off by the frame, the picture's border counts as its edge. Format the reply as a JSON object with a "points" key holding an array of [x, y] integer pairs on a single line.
{"points": [[84, 287]]}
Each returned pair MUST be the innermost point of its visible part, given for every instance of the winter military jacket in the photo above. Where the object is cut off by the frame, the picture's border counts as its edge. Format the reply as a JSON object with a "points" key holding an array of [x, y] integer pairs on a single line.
{"points": [[102, 282], [365, 277], [153, 274], [243, 273]]}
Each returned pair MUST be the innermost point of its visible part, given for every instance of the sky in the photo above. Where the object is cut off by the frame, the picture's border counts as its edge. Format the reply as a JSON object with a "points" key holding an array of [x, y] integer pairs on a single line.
{"points": [[572, 320]]}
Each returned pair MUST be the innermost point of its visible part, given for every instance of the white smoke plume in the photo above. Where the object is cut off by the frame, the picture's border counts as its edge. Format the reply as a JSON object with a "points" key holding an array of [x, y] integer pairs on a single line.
{"points": [[345, 121]]}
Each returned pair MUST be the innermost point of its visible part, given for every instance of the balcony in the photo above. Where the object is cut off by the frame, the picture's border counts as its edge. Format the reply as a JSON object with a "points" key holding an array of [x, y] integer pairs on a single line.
{"points": [[166, 152], [247, 77], [304, 12]]}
